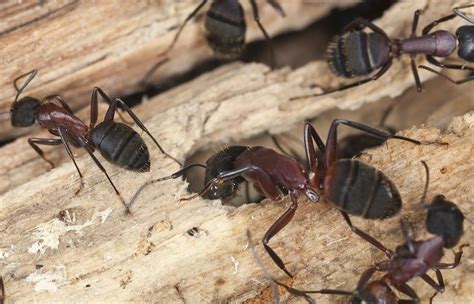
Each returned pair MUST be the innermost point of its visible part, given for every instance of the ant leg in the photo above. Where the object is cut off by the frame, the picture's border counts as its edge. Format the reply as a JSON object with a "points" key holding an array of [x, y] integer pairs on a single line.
{"points": [[278, 225], [71, 156], [97, 162], [457, 82], [154, 68], [366, 237], [32, 74], [61, 101], [172, 176], [439, 287], [34, 142], [435, 62], [430, 26], [457, 259], [331, 142], [404, 288], [415, 73], [109, 116], [256, 17], [142, 126], [265, 183], [414, 24], [277, 7], [382, 71], [290, 152], [457, 11]]}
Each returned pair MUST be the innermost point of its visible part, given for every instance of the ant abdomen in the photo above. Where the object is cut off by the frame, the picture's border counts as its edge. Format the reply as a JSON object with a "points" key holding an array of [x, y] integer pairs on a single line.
{"points": [[23, 112], [357, 53], [359, 189], [225, 29], [121, 145], [465, 35]]}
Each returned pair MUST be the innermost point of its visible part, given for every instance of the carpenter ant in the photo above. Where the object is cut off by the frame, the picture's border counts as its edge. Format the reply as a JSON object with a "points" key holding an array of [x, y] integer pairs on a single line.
{"points": [[357, 53], [444, 218], [225, 29], [351, 185], [222, 161], [465, 39], [117, 142]]}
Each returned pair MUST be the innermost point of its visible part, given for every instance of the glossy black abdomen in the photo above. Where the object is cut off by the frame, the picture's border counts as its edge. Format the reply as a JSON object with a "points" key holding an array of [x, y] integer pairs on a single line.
{"points": [[359, 189], [465, 35], [121, 145], [357, 53], [225, 29]]}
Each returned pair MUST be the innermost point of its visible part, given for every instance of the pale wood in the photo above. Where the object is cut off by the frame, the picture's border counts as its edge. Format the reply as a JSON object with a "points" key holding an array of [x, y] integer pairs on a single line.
{"points": [[76, 45], [254, 91], [150, 257]]}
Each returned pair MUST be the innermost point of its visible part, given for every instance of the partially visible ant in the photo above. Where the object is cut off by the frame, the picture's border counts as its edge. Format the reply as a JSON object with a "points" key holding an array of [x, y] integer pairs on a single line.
{"points": [[225, 29], [357, 53], [350, 185], [443, 218], [222, 161], [409, 260], [117, 142]]}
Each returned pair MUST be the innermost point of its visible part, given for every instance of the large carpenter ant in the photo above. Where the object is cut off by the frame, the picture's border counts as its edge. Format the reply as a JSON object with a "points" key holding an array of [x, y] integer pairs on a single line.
{"points": [[357, 53], [117, 142], [351, 185], [225, 29]]}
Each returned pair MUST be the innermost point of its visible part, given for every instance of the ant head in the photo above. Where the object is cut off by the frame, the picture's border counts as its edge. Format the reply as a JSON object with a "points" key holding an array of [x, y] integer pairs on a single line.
{"points": [[22, 111], [446, 220], [465, 35]]}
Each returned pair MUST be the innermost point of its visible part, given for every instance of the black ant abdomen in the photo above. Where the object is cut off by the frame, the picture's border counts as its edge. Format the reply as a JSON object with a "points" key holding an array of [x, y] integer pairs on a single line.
{"points": [[225, 29], [357, 53], [446, 220], [465, 35], [359, 189], [121, 145]]}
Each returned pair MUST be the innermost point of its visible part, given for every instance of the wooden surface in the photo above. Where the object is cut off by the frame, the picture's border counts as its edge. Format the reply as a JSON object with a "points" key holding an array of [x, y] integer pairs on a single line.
{"points": [[56, 246], [76, 45], [265, 94]]}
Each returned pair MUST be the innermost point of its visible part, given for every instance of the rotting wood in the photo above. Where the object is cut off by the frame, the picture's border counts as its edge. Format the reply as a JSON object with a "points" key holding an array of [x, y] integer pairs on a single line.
{"points": [[90, 251], [76, 45], [264, 93]]}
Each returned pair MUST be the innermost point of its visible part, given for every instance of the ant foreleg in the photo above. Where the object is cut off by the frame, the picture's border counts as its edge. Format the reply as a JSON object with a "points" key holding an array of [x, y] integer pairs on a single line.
{"points": [[34, 142], [278, 225], [457, 259], [457, 82], [365, 236]]}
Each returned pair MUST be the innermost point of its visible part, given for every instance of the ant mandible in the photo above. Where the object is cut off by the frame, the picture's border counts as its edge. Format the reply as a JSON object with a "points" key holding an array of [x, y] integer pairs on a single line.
{"points": [[350, 185], [357, 53], [117, 142]]}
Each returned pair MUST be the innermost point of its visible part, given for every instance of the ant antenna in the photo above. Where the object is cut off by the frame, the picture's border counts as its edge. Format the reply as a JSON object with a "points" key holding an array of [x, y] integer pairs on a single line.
{"points": [[32, 74], [172, 176], [425, 190], [457, 11]]}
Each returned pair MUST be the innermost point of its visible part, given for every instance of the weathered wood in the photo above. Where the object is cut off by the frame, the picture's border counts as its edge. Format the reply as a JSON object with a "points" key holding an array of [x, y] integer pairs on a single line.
{"points": [[93, 252], [76, 45], [264, 93]]}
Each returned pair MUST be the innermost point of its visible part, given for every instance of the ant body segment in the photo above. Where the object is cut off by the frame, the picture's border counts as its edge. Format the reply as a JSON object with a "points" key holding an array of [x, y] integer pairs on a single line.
{"points": [[358, 53], [117, 142]]}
